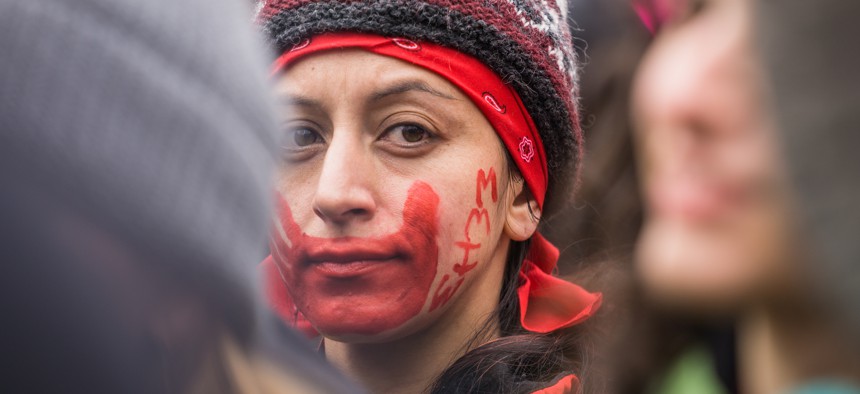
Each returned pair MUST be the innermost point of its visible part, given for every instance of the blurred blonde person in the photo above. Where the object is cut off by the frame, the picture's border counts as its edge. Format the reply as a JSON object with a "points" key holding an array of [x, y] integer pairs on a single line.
{"points": [[722, 237]]}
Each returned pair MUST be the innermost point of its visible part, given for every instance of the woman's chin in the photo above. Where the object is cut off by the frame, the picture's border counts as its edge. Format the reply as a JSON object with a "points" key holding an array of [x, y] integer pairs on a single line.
{"points": [[364, 329], [695, 272]]}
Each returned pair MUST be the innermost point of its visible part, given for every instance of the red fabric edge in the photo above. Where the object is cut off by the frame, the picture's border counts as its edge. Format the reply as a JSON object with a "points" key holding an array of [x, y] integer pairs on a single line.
{"points": [[566, 385]]}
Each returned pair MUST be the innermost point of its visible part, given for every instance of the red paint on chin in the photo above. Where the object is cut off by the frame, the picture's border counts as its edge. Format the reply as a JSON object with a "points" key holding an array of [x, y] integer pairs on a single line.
{"points": [[357, 285]]}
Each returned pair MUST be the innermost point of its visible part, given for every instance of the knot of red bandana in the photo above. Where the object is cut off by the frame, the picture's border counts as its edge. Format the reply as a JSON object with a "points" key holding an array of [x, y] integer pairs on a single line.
{"points": [[548, 303], [568, 384]]}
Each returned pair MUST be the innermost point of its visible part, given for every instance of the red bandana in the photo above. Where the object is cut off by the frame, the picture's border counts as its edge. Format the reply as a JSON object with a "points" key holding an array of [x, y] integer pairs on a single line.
{"points": [[547, 303], [568, 384]]}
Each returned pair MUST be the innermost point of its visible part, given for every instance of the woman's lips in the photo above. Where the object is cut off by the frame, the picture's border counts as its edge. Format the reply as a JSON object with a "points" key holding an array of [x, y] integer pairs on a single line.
{"points": [[341, 250], [349, 269], [692, 199], [349, 258]]}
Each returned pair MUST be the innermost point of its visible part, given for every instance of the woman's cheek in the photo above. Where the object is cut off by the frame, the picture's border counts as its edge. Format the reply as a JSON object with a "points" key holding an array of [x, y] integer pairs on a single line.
{"points": [[470, 238]]}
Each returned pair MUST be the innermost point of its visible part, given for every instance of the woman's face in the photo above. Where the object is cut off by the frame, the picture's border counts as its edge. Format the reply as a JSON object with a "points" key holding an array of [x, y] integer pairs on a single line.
{"points": [[717, 227], [395, 197]]}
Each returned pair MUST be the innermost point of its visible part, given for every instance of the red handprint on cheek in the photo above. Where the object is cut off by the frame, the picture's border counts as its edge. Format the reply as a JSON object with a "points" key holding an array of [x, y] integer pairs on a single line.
{"points": [[359, 285], [477, 215]]}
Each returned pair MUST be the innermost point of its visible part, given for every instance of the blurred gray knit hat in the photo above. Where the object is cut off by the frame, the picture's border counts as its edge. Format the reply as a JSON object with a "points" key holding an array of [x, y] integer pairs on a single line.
{"points": [[170, 153]]}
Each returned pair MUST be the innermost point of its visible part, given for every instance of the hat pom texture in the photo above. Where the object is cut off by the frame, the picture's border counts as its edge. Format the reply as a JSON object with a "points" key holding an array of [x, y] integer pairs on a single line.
{"points": [[526, 42]]}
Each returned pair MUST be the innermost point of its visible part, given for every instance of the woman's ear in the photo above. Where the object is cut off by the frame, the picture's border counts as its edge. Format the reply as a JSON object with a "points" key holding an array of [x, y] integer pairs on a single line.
{"points": [[523, 213]]}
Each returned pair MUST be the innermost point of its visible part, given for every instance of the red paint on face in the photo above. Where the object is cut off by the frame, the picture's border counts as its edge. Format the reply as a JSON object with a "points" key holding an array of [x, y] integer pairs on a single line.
{"points": [[443, 294], [463, 267], [482, 183], [362, 286], [477, 215]]}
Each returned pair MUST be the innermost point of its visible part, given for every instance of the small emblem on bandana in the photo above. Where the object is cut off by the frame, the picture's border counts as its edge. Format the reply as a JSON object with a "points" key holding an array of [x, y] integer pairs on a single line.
{"points": [[408, 45], [493, 103], [303, 44], [527, 149]]}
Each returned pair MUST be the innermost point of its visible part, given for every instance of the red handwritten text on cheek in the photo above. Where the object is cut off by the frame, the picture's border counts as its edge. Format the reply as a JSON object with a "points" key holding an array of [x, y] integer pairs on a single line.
{"points": [[482, 183], [478, 216]]}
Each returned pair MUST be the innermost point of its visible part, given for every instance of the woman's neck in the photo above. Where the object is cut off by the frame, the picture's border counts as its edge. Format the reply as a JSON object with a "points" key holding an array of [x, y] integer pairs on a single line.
{"points": [[408, 365], [782, 347], [411, 364]]}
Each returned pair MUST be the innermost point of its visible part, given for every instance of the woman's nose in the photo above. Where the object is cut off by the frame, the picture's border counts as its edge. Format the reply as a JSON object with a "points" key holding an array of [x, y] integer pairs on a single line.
{"points": [[345, 191]]}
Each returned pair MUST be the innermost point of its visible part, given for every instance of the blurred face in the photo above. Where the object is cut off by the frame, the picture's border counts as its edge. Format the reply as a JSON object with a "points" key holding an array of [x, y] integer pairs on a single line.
{"points": [[717, 230], [393, 197]]}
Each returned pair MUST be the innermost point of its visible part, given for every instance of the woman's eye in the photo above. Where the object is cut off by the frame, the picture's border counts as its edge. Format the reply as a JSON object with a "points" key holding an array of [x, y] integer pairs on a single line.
{"points": [[692, 8], [408, 134], [697, 6], [663, 13], [301, 137], [686, 9]]}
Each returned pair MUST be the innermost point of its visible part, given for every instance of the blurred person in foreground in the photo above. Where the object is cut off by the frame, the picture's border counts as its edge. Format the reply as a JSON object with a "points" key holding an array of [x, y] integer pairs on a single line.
{"points": [[136, 158], [735, 226]]}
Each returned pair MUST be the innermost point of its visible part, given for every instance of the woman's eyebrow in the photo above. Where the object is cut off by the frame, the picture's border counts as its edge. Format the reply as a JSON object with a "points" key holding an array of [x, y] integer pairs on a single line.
{"points": [[299, 100], [409, 86]]}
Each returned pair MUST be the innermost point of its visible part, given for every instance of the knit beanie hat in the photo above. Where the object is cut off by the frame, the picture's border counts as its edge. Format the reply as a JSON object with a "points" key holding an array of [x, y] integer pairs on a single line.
{"points": [[525, 42]]}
